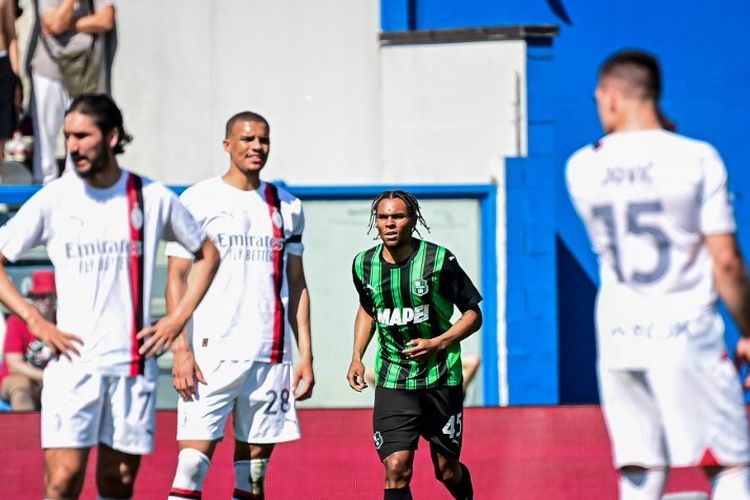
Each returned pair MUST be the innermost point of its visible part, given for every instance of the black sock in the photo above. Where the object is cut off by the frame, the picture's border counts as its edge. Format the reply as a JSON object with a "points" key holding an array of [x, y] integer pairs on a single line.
{"points": [[463, 490], [397, 494]]}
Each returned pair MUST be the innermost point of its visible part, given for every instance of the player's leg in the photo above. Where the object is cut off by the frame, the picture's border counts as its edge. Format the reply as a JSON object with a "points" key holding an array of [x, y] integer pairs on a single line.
{"points": [[452, 473], [126, 430], [192, 467], [263, 416], [396, 418], [443, 425], [115, 472], [72, 404], [250, 466], [635, 427], [729, 483], [64, 472], [399, 468], [200, 425], [705, 417]]}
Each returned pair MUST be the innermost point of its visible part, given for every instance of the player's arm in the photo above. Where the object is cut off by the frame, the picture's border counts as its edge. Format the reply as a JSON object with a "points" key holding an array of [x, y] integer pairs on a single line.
{"points": [[101, 21], [185, 371], [58, 342], [163, 333], [364, 329], [18, 365], [299, 319], [731, 279], [469, 322]]}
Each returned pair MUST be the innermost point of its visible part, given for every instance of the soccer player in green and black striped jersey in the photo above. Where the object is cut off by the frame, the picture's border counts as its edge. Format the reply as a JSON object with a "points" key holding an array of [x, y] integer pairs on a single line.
{"points": [[407, 289]]}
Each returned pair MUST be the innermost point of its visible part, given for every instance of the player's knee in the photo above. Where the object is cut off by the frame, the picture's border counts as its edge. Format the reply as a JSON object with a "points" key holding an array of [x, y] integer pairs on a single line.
{"points": [[116, 481], [398, 470], [192, 467], [63, 481], [448, 472]]}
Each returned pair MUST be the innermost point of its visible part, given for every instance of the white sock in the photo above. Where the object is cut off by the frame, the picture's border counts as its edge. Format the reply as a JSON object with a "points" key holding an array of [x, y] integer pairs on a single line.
{"points": [[249, 476], [192, 467], [731, 484], [642, 484]]}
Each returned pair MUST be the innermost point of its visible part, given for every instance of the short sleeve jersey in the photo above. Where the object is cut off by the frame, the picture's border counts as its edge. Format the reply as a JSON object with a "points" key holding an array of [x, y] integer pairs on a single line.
{"points": [[413, 299], [244, 312], [87, 232], [647, 198]]}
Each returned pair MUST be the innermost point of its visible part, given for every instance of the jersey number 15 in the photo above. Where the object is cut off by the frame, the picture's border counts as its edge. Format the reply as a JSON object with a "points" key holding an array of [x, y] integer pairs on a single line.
{"points": [[634, 211]]}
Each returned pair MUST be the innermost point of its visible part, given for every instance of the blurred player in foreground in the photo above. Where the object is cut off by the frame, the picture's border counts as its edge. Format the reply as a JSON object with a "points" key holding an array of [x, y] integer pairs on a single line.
{"points": [[101, 226], [659, 216], [241, 350], [407, 290]]}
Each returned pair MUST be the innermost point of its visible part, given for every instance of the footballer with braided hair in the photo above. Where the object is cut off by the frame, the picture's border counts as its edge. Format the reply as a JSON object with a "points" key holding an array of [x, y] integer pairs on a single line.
{"points": [[408, 288]]}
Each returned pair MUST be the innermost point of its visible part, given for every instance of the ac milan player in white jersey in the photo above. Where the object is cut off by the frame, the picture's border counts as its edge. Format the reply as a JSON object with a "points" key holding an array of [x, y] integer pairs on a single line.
{"points": [[239, 360], [101, 226], [659, 216]]}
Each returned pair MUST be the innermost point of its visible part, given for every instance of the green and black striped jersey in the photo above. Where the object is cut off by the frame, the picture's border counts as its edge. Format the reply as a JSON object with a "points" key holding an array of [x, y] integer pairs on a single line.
{"points": [[413, 299]]}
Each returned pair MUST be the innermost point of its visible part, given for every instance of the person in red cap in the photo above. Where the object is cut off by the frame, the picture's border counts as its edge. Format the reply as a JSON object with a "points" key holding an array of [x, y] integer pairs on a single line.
{"points": [[25, 356]]}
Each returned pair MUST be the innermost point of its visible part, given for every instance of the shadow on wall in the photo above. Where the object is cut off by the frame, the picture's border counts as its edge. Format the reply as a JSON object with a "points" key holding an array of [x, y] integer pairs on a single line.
{"points": [[575, 309]]}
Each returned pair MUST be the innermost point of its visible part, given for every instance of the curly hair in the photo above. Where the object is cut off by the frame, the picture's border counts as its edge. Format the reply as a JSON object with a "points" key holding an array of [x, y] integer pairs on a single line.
{"points": [[412, 208]]}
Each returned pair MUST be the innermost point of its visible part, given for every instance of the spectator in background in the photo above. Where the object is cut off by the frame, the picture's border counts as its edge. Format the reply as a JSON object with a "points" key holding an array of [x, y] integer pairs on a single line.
{"points": [[24, 356], [66, 25], [8, 72]]}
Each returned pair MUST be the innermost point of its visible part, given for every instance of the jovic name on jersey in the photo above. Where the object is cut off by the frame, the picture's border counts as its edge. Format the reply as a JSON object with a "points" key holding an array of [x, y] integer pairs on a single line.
{"points": [[413, 299], [647, 198]]}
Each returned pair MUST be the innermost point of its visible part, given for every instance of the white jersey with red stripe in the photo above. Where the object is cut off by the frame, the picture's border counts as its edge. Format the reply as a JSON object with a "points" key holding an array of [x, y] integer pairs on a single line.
{"points": [[87, 232], [244, 313], [647, 198]]}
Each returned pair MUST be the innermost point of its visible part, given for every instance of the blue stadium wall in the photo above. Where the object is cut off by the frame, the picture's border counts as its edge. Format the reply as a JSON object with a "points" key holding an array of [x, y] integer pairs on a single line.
{"points": [[551, 271]]}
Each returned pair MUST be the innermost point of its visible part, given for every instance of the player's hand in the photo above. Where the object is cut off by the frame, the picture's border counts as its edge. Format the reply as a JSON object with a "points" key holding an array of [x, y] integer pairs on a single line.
{"points": [[186, 374], [303, 372], [420, 350], [356, 376], [161, 335], [60, 343], [742, 357]]}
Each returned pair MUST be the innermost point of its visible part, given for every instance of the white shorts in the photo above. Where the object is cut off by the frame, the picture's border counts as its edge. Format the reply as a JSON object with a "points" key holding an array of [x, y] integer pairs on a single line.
{"points": [[81, 408], [259, 395], [684, 412]]}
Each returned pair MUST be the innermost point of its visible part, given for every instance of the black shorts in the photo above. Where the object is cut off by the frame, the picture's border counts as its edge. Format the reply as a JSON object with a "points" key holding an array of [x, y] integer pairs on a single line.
{"points": [[401, 416]]}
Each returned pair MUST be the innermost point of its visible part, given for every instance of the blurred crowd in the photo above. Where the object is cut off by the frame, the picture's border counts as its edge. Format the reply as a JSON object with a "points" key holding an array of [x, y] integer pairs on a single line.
{"points": [[71, 46]]}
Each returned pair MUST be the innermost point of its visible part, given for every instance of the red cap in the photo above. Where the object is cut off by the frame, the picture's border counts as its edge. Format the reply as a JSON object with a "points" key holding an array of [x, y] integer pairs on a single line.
{"points": [[42, 283]]}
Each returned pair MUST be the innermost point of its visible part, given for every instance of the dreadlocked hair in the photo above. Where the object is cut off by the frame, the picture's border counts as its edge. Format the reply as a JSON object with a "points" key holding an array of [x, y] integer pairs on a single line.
{"points": [[412, 208]]}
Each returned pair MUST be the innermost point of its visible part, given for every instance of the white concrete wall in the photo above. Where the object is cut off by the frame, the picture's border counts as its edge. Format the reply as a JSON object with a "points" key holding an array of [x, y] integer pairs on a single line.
{"points": [[450, 111], [342, 109], [309, 67]]}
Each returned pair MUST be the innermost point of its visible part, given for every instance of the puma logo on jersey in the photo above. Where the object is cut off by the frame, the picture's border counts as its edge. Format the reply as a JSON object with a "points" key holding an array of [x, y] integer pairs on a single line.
{"points": [[640, 174], [404, 316]]}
